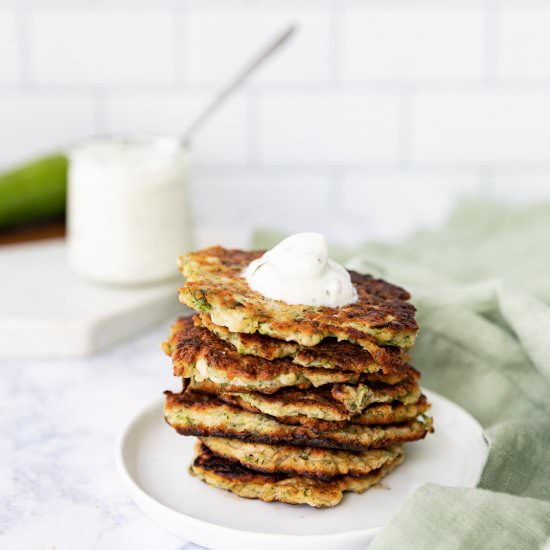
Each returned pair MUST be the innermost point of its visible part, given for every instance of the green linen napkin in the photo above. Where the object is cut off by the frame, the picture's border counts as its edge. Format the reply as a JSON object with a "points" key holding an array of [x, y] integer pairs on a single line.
{"points": [[482, 288]]}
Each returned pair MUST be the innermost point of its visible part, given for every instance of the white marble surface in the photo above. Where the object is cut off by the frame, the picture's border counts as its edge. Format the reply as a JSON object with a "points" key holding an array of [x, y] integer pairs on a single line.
{"points": [[59, 420], [74, 317]]}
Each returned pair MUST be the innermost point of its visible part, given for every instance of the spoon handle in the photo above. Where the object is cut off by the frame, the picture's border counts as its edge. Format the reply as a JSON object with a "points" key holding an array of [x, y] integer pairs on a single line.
{"points": [[235, 82]]}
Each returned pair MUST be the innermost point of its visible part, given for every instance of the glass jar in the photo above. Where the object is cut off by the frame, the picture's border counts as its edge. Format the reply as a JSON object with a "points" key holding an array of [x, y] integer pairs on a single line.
{"points": [[128, 210]]}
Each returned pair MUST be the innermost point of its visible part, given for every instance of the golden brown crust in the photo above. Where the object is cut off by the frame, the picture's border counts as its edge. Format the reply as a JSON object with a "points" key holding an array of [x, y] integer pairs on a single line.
{"points": [[357, 398], [190, 413], [338, 402], [329, 353], [250, 344], [230, 475], [380, 414], [311, 462], [352, 356], [392, 413], [312, 403], [382, 313], [198, 354], [189, 343]]}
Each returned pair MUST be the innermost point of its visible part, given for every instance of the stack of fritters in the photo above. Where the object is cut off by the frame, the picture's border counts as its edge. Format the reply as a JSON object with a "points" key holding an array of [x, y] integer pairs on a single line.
{"points": [[292, 403]]}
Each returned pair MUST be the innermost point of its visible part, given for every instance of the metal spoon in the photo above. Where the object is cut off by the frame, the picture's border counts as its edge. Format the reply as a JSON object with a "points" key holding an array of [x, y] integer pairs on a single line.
{"points": [[235, 82]]}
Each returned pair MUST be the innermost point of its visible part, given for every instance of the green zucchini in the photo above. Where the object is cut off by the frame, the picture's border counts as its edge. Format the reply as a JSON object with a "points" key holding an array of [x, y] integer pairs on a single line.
{"points": [[34, 192]]}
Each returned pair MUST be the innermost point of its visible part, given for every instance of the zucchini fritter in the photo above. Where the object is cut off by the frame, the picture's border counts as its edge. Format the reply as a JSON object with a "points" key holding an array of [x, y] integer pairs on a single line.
{"points": [[338, 402], [328, 354], [198, 354], [226, 474], [383, 413], [191, 413], [382, 313], [301, 461]]}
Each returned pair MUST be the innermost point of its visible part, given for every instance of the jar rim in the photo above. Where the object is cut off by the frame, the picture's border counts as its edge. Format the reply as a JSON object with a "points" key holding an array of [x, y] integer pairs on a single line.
{"points": [[99, 146]]}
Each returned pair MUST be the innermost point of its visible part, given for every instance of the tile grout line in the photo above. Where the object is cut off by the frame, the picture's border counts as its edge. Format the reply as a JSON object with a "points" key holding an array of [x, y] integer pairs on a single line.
{"points": [[335, 183], [101, 117], [253, 129], [180, 25], [335, 42], [486, 181], [367, 87], [490, 42], [406, 127], [22, 14]]}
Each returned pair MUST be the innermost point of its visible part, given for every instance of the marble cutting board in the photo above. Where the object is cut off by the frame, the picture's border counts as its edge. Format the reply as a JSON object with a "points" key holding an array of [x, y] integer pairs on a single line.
{"points": [[46, 311]]}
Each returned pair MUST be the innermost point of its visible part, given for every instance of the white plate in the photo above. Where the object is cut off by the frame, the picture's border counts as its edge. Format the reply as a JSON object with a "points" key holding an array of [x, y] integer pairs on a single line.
{"points": [[153, 460]]}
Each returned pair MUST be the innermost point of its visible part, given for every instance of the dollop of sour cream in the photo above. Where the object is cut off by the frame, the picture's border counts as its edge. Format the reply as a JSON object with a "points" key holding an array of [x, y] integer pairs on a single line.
{"points": [[299, 271]]}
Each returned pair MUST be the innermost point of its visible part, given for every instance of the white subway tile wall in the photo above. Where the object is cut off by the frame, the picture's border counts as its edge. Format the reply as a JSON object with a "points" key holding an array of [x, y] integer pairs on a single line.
{"points": [[220, 41], [524, 41], [374, 105], [384, 202], [413, 42], [522, 186], [481, 127], [102, 47], [34, 123], [9, 70], [222, 140], [297, 127]]}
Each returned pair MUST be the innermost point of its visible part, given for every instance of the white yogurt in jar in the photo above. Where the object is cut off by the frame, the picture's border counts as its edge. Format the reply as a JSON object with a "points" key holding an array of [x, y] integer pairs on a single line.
{"points": [[128, 212]]}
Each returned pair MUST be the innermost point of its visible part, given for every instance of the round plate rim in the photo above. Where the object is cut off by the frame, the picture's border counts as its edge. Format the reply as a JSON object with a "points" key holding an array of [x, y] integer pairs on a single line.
{"points": [[137, 493]]}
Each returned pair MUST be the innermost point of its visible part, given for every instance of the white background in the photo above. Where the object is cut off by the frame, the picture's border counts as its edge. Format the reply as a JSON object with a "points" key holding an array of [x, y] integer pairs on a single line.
{"points": [[371, 122]]}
